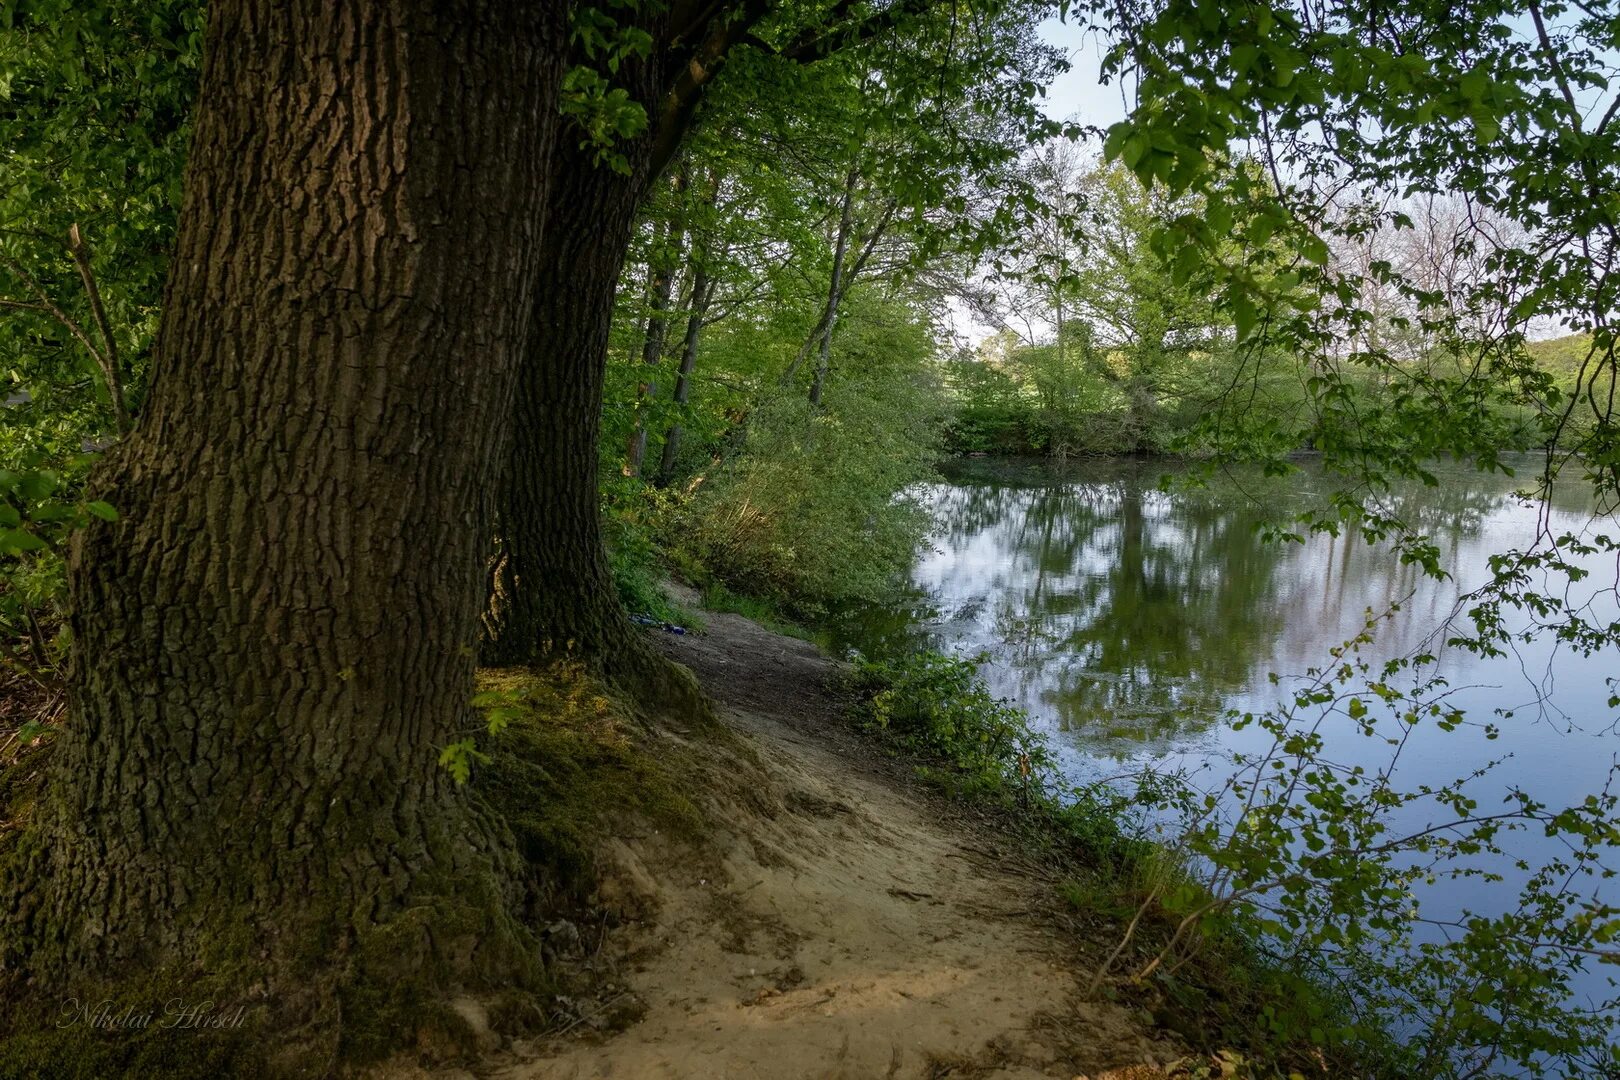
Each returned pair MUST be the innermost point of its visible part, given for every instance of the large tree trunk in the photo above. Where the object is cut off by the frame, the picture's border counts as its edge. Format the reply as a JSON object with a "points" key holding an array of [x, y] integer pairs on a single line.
{"points": [[273, 640], [553, 594]]}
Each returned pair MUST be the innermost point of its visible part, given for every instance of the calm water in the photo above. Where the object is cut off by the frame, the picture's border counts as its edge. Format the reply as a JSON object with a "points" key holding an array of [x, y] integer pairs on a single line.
{"points": [[1126, 620]]}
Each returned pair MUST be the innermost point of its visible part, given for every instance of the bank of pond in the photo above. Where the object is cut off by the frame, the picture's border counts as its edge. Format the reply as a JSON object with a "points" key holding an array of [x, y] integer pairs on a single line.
{"points": [[1183, 663]]}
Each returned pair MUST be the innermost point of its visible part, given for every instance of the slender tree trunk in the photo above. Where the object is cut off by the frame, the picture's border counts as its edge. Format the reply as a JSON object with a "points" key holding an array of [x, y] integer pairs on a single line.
{"points": [[271, 643], [835, 290], [702, 290], [810, 343], [699, 297], [666, 257]]}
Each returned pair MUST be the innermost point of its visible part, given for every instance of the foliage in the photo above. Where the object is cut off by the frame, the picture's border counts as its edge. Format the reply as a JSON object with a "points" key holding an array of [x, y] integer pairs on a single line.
{"points": [[991, 412], [814, 512], [1410, 195], [599, 113], [1471, 138], [94, 101], [1102, 348], [940, 706], [1348, 217], [939, 709], [1314, 858], [39, 509], [632, 513]]}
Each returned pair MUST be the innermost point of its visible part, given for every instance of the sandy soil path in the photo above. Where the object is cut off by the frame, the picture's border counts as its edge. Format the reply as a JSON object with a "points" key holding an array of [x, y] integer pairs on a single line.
{"points": [[857, 932]]}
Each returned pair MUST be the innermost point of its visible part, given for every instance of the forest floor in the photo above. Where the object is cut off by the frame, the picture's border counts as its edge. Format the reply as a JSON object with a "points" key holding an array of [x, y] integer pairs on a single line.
{"points": [[855, 924]]}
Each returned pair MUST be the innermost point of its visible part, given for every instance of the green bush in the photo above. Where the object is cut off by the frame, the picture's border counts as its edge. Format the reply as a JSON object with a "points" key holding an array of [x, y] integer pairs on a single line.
{"points": [[817, 509], [630, 517], [975, 745], [939, 706]]}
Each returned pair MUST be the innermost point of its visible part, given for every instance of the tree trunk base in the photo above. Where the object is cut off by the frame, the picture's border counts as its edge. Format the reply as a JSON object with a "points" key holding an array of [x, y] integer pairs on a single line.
{"points": [[218, 987], [618, 653], [535, 628]]}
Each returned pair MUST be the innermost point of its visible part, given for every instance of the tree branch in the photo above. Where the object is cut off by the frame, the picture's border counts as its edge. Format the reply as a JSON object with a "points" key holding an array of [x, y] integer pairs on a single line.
{"points": [[109, 358], [811, 44], [107, 361], [721, 28]]}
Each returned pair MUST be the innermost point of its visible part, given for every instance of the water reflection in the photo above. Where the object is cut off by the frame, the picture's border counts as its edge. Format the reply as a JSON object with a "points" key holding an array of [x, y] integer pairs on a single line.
{"points": [[1129, 619], [1081, 594], [1126, 621]]}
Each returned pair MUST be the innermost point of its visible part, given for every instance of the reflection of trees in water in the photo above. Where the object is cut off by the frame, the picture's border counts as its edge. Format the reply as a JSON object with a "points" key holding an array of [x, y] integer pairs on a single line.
{"points": [[1122, 612], [963, 511], [1131, 617], [1452, 511]]}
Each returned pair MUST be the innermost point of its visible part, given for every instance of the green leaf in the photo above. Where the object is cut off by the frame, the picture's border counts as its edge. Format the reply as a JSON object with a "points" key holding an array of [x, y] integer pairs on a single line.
{"points": [[16, 541]]}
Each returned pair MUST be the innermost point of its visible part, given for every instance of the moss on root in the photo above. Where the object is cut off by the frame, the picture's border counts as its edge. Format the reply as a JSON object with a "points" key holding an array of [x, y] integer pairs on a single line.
{"points": [[574, 766], [570, 767], [353, 991]]}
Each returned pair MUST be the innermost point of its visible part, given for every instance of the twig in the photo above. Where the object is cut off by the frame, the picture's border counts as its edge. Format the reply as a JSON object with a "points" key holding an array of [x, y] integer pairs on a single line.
{"points": [[1130, 932], [48, 305], [109, 359], [106, 361], [582, 1017]]}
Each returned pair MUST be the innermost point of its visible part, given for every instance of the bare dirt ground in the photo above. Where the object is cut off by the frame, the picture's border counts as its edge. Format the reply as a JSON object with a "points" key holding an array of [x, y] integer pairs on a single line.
{"points": [[860, 928]]}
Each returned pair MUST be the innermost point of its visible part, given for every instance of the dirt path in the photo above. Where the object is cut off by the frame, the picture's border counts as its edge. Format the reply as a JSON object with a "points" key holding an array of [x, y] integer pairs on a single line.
{"points": [[855, 933]]}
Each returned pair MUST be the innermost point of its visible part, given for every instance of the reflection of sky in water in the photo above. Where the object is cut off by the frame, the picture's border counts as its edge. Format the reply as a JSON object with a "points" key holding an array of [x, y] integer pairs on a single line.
{"points": [[1126, 620]]}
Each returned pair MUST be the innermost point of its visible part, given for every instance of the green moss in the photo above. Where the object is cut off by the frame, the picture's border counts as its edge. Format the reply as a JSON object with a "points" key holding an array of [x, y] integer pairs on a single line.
{"points": [[351, 992], [144, 1034], [572, 765]]}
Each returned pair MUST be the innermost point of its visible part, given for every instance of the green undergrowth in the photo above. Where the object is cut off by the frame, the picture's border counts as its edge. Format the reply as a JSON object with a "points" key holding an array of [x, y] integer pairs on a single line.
{"points": [[1230, 998], [938, 709], [717, 597]]}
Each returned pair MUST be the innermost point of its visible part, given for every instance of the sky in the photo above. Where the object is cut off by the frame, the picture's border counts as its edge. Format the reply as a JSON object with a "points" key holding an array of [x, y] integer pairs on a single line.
{"points": [[1078, 95]]}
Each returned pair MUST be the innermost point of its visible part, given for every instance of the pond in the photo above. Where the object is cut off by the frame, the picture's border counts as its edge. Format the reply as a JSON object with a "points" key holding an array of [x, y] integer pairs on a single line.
{"points": [[1126, 620]]}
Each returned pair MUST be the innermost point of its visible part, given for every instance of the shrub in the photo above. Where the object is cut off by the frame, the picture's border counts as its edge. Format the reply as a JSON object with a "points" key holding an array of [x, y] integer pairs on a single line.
{"points": [[939, 706], [819, 508]]}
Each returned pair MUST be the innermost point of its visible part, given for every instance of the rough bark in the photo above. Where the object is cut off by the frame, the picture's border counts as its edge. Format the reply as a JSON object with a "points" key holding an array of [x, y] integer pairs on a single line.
{"points": [[553, 591], [557, 594], [272, 642]]}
